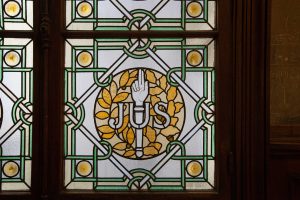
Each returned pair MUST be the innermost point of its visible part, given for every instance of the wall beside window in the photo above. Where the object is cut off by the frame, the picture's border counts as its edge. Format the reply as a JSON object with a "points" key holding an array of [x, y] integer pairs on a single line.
{"points": [[284, 163], [285, 71]]}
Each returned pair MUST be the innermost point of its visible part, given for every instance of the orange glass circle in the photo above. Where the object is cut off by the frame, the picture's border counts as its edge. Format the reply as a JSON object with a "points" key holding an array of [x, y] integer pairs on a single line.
{"points": [[84, 168], [10, 169], [194, 9], [12, 8], [84, 9], [84, 59], [12, 58], [194, 168], [194, 58]]}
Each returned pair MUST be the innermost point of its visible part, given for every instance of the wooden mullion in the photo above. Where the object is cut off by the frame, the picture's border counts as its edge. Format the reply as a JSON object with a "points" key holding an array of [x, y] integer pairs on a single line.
{"points": [[138, 34], [250, 98], [17, 34]]}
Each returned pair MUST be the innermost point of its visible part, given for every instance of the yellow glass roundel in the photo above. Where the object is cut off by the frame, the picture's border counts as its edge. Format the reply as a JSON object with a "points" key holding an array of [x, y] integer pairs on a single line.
{"points": [[12, 58], [194, 168], [194, 9], [12, 8], [84, 168], [84, 9], [10, 169], [194, 58], [84, 59]]}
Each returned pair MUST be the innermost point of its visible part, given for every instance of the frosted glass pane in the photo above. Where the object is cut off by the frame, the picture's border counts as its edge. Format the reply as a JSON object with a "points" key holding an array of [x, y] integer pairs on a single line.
{"points": [[139, 114], [140, 15], [16, 14], [16, 103]]}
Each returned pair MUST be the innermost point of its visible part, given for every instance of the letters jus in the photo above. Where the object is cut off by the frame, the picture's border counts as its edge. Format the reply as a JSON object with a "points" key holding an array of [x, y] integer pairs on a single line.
{"points": [[139, 112]]}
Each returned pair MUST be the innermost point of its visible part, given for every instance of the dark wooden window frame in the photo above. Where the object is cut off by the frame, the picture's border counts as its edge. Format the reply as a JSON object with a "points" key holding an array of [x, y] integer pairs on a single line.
{"points": [[241, 46]]}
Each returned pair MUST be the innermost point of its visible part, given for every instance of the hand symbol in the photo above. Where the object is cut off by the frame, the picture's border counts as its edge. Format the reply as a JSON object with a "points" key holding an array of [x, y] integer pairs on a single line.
{"points": [[139, 89]]}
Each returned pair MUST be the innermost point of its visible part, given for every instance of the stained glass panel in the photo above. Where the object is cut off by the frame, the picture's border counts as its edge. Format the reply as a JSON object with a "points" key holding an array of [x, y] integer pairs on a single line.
{"points": [[16, 104], [141, 15], [139, 114], [16, 14]]}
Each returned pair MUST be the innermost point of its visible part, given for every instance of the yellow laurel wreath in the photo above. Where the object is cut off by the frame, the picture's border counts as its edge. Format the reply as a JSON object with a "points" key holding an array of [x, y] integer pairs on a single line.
{"points": [[123, 139]]}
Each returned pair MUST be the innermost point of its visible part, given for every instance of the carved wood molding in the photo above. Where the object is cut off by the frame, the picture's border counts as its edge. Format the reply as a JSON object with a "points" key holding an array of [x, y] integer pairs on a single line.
{"points": [[285, 134], [293, 185], [45, 24], [45, 45], [250, 96], [45, 31], [287, 150]]}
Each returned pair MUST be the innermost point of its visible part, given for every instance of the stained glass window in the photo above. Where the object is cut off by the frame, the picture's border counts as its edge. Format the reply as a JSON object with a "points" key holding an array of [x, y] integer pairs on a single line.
{"points": [[139, 111], [16, 96], [16, 106], [16, 14], [144, 15], [139, 114]]}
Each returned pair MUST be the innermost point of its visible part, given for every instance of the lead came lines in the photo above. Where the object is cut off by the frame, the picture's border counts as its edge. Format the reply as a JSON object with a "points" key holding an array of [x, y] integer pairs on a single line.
{"points": [[201, 102]]}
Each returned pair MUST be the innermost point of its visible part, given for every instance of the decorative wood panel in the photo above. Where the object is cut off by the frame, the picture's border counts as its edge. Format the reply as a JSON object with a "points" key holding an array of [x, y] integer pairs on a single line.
{"points": [[283, 173], [284, 148], [284, 71]]}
